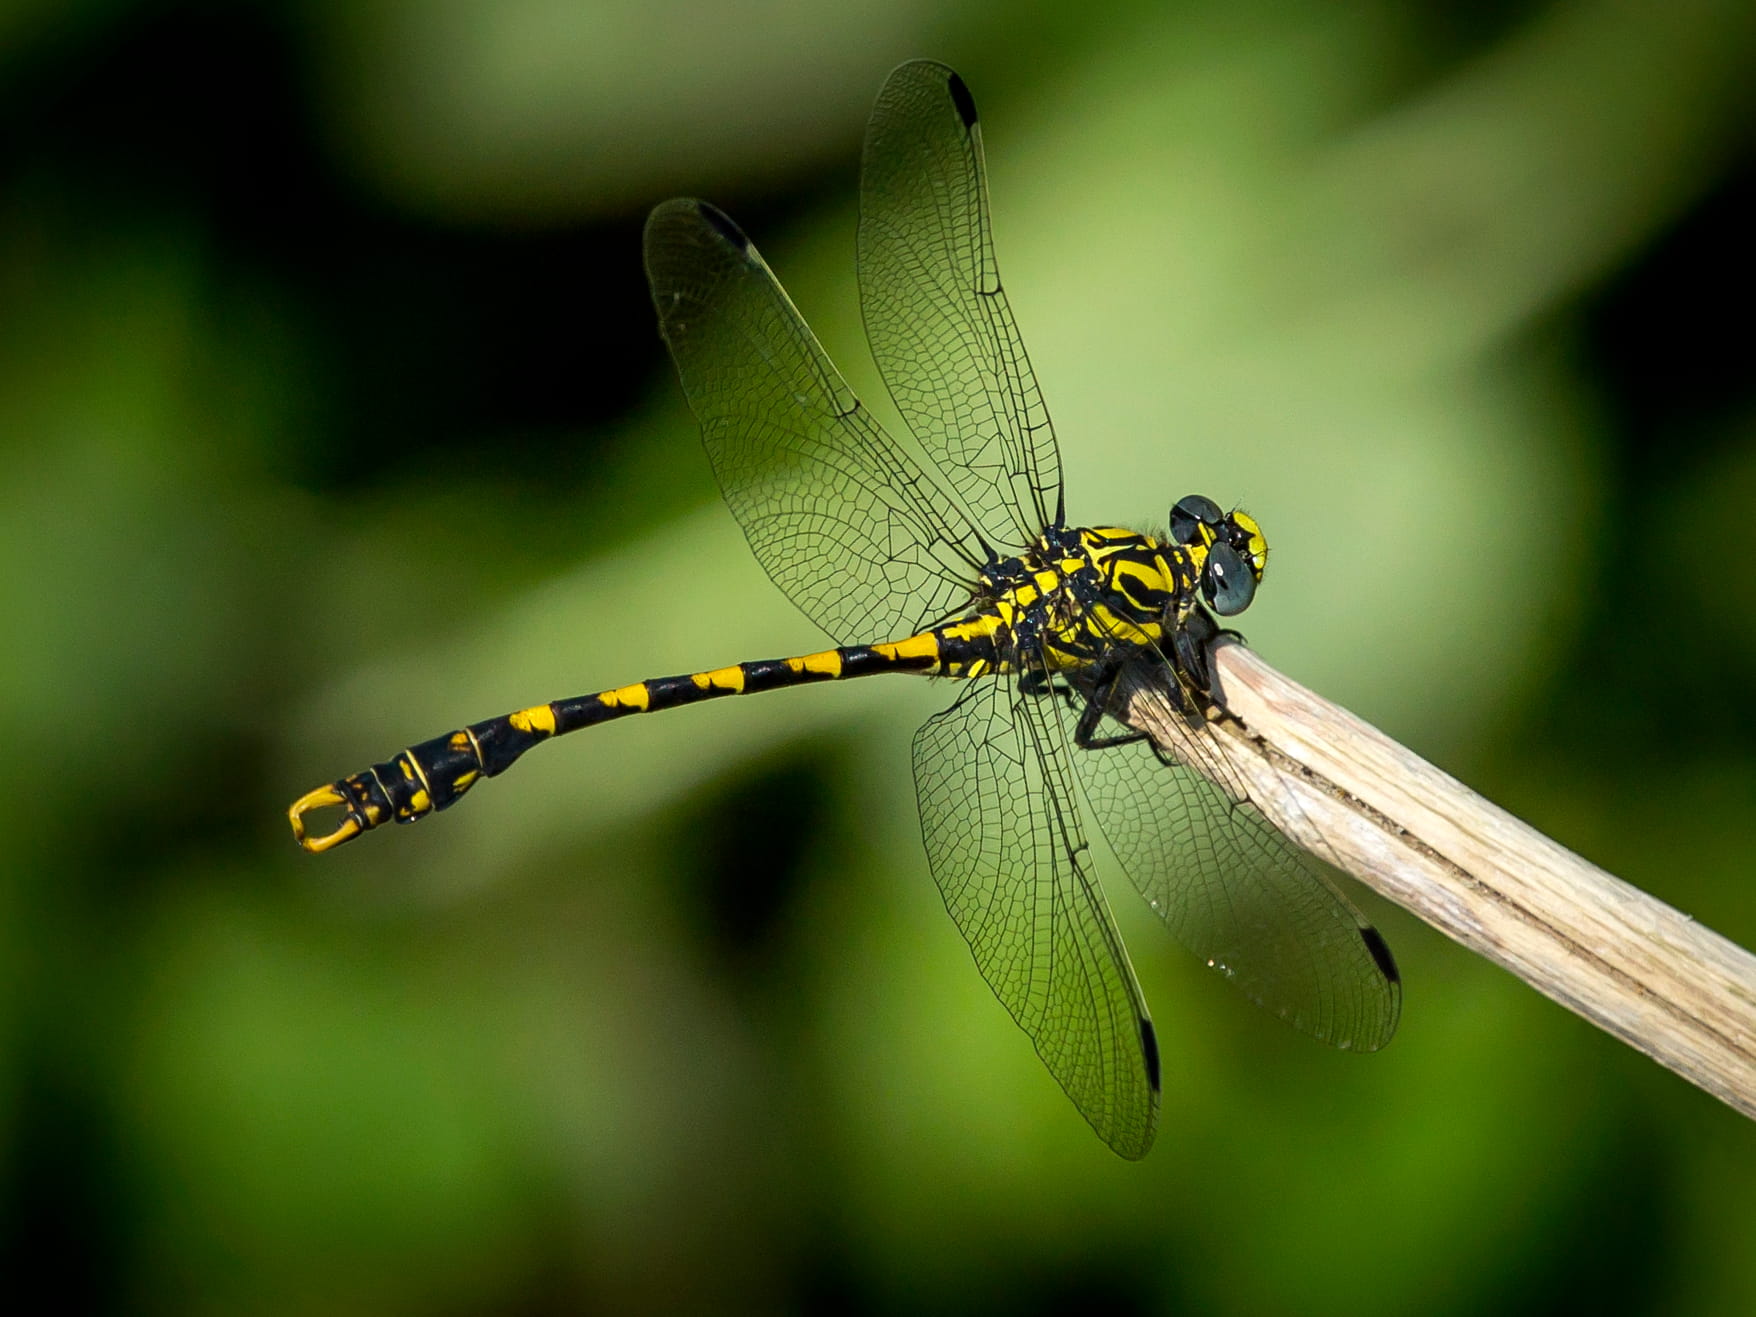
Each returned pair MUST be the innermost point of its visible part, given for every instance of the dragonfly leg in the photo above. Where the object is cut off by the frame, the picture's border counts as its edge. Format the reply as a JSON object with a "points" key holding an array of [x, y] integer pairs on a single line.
{"points": [[1093, 703]]}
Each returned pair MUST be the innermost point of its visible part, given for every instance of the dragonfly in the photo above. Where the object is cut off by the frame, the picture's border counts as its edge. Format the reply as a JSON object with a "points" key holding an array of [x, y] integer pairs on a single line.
{"points": [[951, 557]]}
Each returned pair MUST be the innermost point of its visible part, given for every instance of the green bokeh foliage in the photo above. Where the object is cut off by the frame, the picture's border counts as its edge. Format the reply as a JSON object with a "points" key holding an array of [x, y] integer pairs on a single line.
{"points": [[334, 417]]}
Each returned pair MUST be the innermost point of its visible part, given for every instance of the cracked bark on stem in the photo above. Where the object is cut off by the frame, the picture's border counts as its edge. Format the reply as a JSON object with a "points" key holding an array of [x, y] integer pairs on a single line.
{"points": [[1630, 964]]}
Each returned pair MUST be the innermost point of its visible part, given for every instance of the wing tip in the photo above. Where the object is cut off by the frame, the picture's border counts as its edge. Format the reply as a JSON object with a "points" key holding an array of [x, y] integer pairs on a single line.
{"points": [[723, 224], [1380, 951], [961, 99]]}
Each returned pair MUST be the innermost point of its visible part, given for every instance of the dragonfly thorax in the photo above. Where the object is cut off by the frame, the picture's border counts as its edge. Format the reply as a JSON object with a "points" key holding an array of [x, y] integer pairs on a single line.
{"points": [[1078, 593]]}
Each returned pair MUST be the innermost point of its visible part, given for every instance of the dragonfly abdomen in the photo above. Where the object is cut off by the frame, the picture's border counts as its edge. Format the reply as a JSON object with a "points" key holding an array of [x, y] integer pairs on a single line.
{"points": [[435, 774]]}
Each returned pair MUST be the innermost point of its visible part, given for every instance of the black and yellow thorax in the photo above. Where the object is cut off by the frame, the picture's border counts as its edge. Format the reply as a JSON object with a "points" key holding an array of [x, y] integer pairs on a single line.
{"points": [[1073, 596]]}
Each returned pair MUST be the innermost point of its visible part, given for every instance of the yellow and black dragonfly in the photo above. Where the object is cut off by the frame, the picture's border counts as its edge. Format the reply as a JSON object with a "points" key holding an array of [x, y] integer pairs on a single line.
{"points": [[954, 559]]}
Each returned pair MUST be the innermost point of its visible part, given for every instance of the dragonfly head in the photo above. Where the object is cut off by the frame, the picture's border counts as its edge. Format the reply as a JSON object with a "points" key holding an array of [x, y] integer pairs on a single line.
{"points": [[1233, 551]]}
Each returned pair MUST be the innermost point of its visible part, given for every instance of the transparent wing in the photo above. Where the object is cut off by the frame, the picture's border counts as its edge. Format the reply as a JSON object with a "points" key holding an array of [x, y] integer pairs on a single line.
{"points": [[839, 516], [1005, 846], [936, 315], [1241, 896]]}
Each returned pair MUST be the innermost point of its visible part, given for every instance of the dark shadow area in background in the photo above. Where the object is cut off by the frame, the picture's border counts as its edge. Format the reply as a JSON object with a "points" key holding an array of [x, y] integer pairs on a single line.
{"points": [[1670, 373], [1019, 1284], [1608, 1252], [751, 845], [66, 1214], [1675, 381], [426, 341]]}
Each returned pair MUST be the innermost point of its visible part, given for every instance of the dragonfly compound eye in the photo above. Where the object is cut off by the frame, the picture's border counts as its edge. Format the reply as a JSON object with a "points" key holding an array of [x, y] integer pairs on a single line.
{"points": [[1194, 518], [1227, 582]]}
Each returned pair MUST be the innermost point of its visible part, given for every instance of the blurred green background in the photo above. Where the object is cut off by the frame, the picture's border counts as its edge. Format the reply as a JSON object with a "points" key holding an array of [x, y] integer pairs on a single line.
{"points": [[334, 417]]}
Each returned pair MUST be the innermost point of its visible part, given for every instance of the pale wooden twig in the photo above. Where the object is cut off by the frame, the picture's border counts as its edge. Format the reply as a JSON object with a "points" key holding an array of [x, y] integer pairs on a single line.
{"points": [[1632, 965]]}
